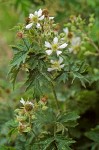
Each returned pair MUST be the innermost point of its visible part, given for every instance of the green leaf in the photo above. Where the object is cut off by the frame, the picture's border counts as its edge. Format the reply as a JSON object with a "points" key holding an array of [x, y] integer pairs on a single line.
{"points": [[69, 116], [93, 134], [19, 58], [13, 74], [46, 143], [69, 119], [80, 77], [63, 77], [63, 143]]}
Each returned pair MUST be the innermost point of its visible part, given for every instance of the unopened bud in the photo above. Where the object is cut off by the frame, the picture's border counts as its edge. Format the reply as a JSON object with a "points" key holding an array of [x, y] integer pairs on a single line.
{"points": [[20, 34], [44, 99], [28, 107], [70, 35], [45, 13]]}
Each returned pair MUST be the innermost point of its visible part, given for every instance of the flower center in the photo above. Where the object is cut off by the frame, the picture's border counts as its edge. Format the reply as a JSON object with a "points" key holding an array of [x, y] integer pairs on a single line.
{"points": [[55, 47], [56, 65], [35, 19]]}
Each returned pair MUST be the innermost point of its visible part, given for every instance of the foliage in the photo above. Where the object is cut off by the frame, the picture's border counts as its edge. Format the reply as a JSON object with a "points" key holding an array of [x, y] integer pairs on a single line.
{"points": [[63, 86]]}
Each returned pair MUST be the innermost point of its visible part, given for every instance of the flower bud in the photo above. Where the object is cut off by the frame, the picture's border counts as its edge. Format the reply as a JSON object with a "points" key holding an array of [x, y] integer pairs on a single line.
{"points": [[45, 13], [44, 107], [62, 35], [44, 99], [21, 127], [70, 35], [28, 107], [90, 24], [56, 27], [20, 34], [27, 20]]}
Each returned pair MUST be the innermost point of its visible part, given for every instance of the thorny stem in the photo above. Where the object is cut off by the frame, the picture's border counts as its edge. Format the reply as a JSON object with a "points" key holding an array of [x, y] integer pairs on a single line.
{"points": [[54, 92], [36, 138], [54, 137], [93, 44]]}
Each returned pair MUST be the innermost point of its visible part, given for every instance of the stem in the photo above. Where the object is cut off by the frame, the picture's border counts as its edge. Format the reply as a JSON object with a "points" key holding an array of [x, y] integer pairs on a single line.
{"points": [[36, 138], [54, 92], [54, 137], [93, 44]]}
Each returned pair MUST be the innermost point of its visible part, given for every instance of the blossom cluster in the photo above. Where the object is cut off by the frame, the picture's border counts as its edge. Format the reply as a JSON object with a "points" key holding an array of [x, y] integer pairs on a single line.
{"points": [[75, 41], [54, 45], [26, 114]]}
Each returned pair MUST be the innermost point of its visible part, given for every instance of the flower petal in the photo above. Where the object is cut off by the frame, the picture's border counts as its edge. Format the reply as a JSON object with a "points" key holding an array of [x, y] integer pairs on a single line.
{"points": [[38, 25], [70, 50], [39, 13], [62, 66], [58, 52], [51, 18], [47, 44], [66, 30], [60, 60], [76, 41], [55, 40], [29, 26], [49, 52], [52, 61], [50, 69], [41, 18], [36, 13], [31, 16], [63, 46], [30, 103], [22, 101]]}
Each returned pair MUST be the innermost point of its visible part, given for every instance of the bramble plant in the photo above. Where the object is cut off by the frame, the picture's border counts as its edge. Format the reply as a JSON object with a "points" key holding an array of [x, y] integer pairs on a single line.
{"points": [[51, 58]]}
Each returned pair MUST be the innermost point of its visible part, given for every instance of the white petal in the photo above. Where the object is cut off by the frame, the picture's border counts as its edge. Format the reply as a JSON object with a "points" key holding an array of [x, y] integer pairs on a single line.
{"points": [[58, 52], [41, 18], [36, 13], [62, 66], [50, 69], [70, 50], [51, 18], [29, 103], [55, 40], [76, 41], [22, 101], [31, 16], [63, 46], [60, 60], [47, 44], [38, 25], [52, 61], [49, 52], [39, 12], [66, 30], [29, 26]]}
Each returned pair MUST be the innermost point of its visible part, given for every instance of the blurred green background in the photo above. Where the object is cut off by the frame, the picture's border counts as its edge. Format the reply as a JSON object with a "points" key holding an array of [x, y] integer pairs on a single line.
{"points": [[13, 12]]}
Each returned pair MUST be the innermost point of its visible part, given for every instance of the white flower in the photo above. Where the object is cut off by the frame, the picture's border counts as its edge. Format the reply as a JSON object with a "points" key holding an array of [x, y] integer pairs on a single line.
{"points": [[75, 44], [26, 102], [35, 18], [55, 47], [56, 65]]}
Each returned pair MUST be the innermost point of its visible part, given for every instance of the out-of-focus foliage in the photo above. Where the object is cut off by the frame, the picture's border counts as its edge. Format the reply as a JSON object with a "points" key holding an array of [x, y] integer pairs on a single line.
{"points": [[84, 101]]}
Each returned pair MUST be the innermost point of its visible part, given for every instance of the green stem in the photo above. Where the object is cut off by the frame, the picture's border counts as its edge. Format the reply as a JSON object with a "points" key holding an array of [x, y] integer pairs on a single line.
{"points": [[93, 44], [54, 92]]}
